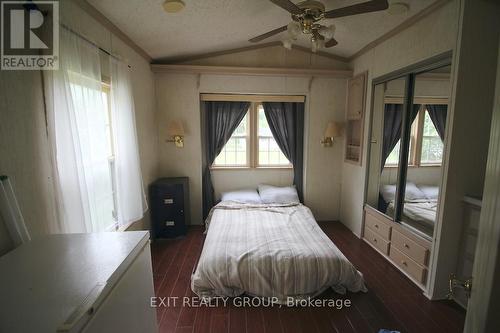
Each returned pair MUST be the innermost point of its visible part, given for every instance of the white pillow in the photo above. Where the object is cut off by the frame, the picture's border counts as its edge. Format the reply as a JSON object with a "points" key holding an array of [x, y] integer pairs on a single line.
{"points": [[244, 196], [431, 192], [275, 194], [411, 193]]}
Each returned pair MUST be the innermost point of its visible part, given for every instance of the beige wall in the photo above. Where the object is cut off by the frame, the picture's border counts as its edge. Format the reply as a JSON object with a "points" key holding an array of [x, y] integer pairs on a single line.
{"points": [[5, 240], [178, 98], [428, 175], [434, 34], [24, 147]]}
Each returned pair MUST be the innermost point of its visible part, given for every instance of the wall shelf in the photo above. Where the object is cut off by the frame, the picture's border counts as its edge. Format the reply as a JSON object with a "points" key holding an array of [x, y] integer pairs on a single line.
{"points": [[355, 118]]}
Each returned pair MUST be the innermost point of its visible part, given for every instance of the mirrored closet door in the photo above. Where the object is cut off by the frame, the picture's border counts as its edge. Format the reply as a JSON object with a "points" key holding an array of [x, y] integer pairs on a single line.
{"points": [[407, 141], [406, 148]]}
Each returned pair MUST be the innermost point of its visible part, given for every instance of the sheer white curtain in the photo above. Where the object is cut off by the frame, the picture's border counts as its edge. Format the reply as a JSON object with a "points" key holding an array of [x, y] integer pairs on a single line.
{"points": [[131, 200], [96, 173]]}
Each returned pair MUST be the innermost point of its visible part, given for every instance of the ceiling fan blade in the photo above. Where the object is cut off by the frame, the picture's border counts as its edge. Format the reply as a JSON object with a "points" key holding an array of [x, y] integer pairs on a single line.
{"points": [[331, 42], [288, 6], [268, 34], [360, 8]]}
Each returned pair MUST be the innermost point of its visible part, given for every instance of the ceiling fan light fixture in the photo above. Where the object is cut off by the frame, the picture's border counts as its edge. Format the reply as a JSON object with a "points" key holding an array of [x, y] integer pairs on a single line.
{"points": [[398, 8], [173, 6]]}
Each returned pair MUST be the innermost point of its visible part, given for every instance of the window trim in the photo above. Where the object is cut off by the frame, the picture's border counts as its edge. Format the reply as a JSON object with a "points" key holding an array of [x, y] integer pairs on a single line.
{"points": [[106, 88], [253, 140]]}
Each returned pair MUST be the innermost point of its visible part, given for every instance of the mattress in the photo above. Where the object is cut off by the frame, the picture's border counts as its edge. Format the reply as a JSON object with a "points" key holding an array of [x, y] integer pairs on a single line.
{"points": [[265, 250], [417, 212]]}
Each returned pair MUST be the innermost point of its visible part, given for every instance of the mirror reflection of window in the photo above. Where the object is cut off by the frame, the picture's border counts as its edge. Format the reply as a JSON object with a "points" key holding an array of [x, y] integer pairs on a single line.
{"points": [[387, 115], [423, 179]]}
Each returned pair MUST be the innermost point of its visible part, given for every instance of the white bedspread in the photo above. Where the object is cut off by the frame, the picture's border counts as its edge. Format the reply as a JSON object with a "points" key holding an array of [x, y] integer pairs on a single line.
{"points": [[419, 211], [270, 251]]}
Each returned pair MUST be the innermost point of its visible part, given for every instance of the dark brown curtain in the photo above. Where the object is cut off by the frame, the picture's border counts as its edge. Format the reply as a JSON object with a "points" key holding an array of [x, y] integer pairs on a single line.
{"points": [[219, 121], [286, 120], [393, 118], [438, 114]]}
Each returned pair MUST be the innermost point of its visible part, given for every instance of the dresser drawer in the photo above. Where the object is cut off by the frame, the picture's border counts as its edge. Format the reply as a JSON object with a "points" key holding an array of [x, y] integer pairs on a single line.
{"points": [[409, 247], [408, 265], [381, 228], [377, 241]]}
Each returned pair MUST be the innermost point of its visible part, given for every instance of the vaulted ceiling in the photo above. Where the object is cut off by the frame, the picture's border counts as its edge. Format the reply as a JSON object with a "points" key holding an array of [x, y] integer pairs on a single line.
{"points": [[206, 26]]}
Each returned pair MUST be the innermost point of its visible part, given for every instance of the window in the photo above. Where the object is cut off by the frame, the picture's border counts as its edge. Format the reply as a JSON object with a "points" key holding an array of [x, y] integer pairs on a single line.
{"points": [[252, 144], [235, 152], [95, 128], [432, 146], [270, 153], [393, 158], [424, 139]]}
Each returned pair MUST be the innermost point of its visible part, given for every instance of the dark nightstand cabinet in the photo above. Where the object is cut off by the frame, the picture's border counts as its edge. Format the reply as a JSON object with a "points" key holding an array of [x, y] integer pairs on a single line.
{"points": [[169, 207]]}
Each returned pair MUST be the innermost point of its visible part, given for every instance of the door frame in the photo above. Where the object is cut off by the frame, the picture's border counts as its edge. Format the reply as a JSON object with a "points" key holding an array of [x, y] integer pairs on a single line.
{"points": [[484, 300]]}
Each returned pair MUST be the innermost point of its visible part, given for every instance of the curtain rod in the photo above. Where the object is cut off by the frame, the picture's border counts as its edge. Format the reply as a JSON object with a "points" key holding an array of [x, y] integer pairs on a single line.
{"points": [[91, 42]]}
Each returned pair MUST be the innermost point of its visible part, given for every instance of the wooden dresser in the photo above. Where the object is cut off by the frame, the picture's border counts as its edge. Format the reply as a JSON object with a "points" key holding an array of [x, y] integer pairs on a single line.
{"points": [[407, 251]]}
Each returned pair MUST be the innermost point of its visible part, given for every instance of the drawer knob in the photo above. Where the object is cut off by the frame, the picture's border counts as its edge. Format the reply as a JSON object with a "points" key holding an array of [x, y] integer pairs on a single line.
{"points": [[376, 226], [404, 263], [375, 240], [406, 245]]}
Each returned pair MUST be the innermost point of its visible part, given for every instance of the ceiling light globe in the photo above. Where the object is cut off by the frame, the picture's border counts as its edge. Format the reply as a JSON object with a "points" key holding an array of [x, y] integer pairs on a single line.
{"points": [[327, 32], [287, 44], [293, 29], [314, 46]]}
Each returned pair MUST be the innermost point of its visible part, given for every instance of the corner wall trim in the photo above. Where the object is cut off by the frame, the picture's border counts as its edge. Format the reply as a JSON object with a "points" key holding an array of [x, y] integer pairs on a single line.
{"points": [[253, 71], [99, 17], [188, 58]]}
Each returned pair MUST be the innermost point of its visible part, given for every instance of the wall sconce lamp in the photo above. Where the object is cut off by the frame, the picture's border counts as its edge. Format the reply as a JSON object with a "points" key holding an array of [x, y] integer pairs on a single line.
{"points": [[176, 132], [333, 130]]}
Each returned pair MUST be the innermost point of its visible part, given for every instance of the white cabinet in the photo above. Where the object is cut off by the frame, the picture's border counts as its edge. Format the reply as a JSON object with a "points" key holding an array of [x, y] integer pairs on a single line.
{"points": [[99, 282], [356, 97], [127, 307], [355, 118]]}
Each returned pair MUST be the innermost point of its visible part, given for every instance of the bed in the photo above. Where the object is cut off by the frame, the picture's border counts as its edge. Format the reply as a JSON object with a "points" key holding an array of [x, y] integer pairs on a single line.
{"points": [[418, 213], [270, 250], [420, 205]]}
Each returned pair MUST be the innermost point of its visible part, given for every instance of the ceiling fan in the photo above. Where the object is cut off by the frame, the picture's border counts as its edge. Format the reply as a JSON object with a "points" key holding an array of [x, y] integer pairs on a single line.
{"points": [[307, 14]]}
